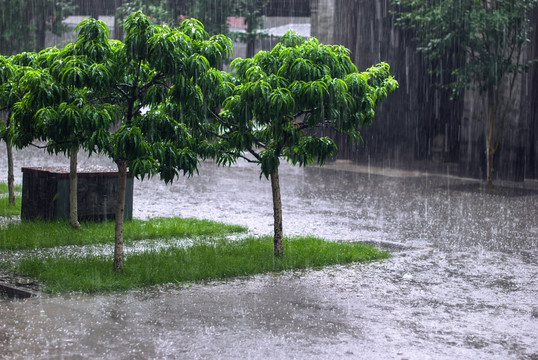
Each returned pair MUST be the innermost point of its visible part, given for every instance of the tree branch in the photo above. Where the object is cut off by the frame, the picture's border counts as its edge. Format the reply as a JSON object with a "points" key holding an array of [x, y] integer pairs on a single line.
{"points": [[121, 91], [222, 121], [152, 82], [246, 158], [255, 154], [234, 127], [309, 111]]}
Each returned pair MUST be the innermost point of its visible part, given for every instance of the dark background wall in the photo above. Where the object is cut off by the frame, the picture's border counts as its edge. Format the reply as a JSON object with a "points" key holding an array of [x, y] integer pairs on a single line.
{"points": [[420, 124], [95, 8], [287, 8]]}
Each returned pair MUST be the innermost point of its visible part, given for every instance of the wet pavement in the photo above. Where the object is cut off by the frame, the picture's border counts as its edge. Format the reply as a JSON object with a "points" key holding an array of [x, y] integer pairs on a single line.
{"points": [[464, 285]]}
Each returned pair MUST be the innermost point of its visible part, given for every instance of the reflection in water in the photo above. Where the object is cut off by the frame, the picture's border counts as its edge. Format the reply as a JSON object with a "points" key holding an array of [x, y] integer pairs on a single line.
{"points": [[466, 287]]}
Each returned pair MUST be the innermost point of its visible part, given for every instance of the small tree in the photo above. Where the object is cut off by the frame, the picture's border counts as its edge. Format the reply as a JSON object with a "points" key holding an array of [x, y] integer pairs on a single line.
{"points": [[7, 95], [135, 82], [489, 37], [55, 111], [28, 88], [12, 70], [282, 95]]}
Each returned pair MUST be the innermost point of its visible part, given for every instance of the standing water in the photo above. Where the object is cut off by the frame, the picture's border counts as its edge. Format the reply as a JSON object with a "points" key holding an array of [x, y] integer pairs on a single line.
{"points": [[463, 281]]}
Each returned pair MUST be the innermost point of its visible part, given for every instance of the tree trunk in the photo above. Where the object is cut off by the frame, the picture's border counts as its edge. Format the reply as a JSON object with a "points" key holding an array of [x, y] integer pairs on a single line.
{"points": [[251, 48], [10, 176], [489, 167], [40, 29], [73, 188], [251, 36], [491, 121], [277, 213], [120, 209]]}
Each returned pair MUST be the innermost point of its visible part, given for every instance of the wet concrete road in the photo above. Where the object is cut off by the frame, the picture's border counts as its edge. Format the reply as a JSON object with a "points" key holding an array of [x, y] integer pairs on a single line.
{"points": [[468, 288]]}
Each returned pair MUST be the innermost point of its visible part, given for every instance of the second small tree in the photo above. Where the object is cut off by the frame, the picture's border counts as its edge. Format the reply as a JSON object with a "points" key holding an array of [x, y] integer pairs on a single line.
{"points": [[281, 96]]}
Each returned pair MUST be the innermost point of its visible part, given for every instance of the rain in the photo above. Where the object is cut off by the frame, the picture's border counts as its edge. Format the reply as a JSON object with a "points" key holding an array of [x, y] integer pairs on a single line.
{"points": [[462, 281]]}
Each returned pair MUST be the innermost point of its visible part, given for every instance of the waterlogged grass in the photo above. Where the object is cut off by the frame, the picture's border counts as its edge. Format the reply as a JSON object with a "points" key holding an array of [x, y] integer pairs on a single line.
{"points": [[203, 261], [4, 188], [47, 234], [6, 209]]}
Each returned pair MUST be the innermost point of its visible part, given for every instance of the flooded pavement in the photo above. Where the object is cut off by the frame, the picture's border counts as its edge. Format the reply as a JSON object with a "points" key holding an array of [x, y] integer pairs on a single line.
{"points": [[466, 288]]}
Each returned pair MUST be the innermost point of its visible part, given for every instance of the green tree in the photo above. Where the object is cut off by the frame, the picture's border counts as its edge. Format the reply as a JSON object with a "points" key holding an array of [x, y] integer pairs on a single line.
{"points": [[159, 12], [8, 96], [22, 28], [55, 110], [281, 95], [134, 83], [12, 70], [487, 38], [213, 14]]}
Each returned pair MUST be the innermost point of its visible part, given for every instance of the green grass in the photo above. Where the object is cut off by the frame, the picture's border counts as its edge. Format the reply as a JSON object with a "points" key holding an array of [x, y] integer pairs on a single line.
{"points": [[47, 234], [203, 261], [6, 209], [4, 188]]}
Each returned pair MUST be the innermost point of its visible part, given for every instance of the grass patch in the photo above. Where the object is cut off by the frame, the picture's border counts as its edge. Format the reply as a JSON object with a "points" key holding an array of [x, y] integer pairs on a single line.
{"points": [[7, 209], [47, 234], [203, 261], [4, 188]]}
